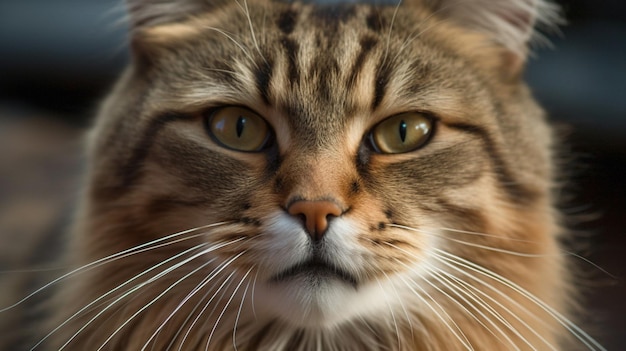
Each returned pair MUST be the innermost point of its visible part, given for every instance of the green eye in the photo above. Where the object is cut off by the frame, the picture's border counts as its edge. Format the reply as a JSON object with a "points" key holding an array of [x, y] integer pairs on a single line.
{"points": [[239, 129], [402, 133]]}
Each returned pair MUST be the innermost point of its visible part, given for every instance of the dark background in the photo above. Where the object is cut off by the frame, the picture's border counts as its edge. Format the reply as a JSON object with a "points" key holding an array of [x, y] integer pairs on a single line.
{"points": [[57, 57]]}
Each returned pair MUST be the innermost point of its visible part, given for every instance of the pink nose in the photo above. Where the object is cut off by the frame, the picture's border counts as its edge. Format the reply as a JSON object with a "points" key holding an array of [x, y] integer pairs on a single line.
{"points": [[316, 215]]}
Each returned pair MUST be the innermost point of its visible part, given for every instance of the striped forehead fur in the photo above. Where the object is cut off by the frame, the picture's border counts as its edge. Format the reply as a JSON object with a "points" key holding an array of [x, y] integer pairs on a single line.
{"points": [[512, 23]]}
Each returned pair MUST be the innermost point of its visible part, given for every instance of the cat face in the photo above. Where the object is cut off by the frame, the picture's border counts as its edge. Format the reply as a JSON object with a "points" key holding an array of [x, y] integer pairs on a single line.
{"points": [[324, 167]]}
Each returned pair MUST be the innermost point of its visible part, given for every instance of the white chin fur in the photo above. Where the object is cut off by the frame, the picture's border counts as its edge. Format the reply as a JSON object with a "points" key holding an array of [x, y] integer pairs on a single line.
{"points": [[316, 302], [320, 305]]}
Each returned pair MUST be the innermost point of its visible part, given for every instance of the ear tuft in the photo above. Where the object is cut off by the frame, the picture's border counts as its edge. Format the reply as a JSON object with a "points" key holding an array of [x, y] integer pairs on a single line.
{"points": [[512, 23]]}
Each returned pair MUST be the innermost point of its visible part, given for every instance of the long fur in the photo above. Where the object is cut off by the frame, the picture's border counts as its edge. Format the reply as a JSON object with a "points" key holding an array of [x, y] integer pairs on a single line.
{"points": [[187, 240]]}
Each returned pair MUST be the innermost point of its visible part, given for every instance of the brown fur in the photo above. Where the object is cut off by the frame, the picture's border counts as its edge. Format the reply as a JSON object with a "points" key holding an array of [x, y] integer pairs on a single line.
{"points": [[321, 77]]}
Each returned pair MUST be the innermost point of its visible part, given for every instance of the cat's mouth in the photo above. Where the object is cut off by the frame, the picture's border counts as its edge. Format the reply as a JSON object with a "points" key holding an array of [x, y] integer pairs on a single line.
{"points": [[315, 269]]}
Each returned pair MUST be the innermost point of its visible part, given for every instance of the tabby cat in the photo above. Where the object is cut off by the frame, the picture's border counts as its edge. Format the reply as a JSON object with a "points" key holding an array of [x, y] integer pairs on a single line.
{"points": [[291, 176]]}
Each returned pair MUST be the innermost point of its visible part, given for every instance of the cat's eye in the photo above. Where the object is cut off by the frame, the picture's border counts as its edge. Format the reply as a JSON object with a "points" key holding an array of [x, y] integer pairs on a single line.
{"points": [[402, 133], [238, 128]]}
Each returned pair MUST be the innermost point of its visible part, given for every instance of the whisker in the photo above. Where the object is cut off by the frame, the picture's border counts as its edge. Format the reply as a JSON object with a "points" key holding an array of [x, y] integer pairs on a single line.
{"points": [[136, 288], [451, 298], [495, 249], [256, 276], [455, 287], [393, 317], [398, 298], [570, 253], [406, 313], [163, 293], [485, 235], [84, 308], [225, 308], [199, 287], [393, 20], [226, 283], [502, 294], [493, 300], [110, 258], [130, 292], [239, 45], [462, 338], [252, 33], [243, 298], [194, 291], [576, 331]]}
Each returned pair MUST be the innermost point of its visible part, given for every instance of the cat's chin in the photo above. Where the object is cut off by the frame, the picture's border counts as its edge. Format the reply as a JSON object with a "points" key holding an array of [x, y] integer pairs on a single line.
{"points": [[318, 299]]}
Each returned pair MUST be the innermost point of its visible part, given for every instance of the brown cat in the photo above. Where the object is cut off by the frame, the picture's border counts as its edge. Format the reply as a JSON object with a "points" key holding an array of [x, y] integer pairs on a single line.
{"points": [[288, 176]]}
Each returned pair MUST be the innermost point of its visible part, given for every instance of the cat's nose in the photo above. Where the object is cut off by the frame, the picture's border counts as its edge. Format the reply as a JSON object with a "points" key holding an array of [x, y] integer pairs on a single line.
{"points": [[316, 215]]}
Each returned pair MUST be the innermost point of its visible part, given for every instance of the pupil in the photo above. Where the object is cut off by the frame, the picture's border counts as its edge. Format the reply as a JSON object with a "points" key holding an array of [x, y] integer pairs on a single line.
{"points": [[241, 122], [402, 129]]}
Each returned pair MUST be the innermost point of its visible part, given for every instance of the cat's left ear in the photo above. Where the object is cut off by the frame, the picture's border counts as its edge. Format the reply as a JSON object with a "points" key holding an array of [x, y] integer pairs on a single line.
{"points": [[513, 24], [155, 24], [149, 13]]}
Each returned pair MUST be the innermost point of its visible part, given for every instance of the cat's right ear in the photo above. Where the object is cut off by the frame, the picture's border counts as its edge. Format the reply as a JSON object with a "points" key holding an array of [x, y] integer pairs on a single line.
{"points": [[511, 24]]}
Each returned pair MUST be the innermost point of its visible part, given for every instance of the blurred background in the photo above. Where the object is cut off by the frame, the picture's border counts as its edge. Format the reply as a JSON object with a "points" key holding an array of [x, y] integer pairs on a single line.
{"points": [[58, 57]]}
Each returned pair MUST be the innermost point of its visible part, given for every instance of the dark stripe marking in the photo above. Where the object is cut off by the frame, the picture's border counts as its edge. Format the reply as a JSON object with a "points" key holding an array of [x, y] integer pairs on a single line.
{"points": [[263, 77], [383, 75], [515, 191], [257, 339], [291, 50], [367, 44], [296, 340], [333, 14], [464, 218], [287, 21], [374, 21], [326, 67], [131, 171]]}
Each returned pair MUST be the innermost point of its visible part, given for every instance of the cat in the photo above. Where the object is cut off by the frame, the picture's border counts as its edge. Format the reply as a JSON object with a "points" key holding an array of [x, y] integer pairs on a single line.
{"points": [[292, 176]]}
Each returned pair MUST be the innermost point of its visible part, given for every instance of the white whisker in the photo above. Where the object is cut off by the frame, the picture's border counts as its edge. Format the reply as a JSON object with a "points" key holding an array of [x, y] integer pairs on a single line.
{"points": [[243, 298], [393, 316], [576, 331], [429, 269], [243, 49], [104, 260], [194, 291], [134, 315], [224, 285], [495, 249], [458, 291], [393, 20], [573, 254], [499, 304], [84, 308], [256, 276], [515, 303], [136, 288], [252, 33], [398, 298], [225, 308], [163, 293], [462, 338]]}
